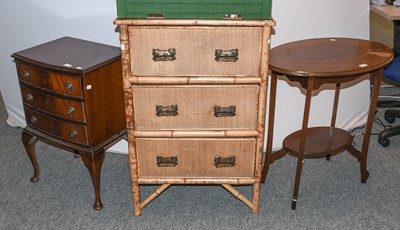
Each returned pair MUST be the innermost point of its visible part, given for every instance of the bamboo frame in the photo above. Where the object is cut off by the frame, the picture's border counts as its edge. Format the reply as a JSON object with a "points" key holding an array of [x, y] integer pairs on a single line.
{"points": [[196, 133], [193, 22], [258, 132], [189, 80]]}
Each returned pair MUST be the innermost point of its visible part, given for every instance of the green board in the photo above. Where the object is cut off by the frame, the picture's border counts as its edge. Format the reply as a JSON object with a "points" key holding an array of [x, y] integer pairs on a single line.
{"points": [[195, 9]]}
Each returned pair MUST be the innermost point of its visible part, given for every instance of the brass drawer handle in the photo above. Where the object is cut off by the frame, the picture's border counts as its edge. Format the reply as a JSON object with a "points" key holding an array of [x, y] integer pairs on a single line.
{"points": [[74, 133], [29, 97], [229, 111], [167, 161], [224, 162], [164, 55], [166, 111], [68, 86], [26, 74], [34, 120], [226, 55], [70, 110]]}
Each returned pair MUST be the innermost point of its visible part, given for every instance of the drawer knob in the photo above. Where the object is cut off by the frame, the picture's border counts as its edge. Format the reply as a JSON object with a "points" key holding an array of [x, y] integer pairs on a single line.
{"points": [[164, 55], [167, 161], [33, 120], [224, 162], [29, 97], [226, 55], [26, 74], [166, 111], [229, 111], [74, 133], [68, 86], [70, 110]]}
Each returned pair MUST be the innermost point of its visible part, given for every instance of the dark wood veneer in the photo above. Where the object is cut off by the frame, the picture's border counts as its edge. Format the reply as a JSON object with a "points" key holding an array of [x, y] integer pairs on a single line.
{"points": [[73, 99]]}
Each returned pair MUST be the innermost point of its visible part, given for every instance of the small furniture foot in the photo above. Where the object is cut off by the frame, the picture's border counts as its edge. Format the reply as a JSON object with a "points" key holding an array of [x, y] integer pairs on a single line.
{"points": [[364, 177], [93, 163], [294, 203]]}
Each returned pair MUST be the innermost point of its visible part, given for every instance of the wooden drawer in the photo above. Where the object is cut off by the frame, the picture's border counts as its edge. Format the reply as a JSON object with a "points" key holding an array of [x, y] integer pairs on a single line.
{"points": [[195, 50], [64, 130], [52, 81], [58, 106], [195, 107], [195, 158]]}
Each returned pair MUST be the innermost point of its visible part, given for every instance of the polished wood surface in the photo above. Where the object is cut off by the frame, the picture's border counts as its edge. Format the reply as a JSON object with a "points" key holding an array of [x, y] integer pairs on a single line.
{"points": [[72, 97], [329, 58], [313, 63], [207, 148]]}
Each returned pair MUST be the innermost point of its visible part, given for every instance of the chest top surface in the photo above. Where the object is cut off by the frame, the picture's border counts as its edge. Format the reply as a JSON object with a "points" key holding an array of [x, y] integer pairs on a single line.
{"points": [[70, 54]]}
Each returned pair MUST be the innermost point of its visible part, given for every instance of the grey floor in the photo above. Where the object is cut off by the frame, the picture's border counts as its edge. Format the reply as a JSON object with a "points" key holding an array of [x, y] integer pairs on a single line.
{"points": [[331, 195]]}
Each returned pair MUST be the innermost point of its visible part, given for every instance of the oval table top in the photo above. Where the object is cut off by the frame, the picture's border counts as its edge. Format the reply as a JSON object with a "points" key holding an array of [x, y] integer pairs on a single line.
{"points": [[329, 57]]}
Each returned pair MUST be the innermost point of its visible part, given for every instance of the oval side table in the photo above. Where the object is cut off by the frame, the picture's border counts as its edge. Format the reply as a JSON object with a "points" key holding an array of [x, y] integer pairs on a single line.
{"points": [[312, 63]]}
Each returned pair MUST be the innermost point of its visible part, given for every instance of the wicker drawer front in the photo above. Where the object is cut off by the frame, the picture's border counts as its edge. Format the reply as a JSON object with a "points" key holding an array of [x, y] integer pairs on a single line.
{"points": [[58, 106], [51, 81], [195, 158], [196, 107], [68, 131], [195, 51]]}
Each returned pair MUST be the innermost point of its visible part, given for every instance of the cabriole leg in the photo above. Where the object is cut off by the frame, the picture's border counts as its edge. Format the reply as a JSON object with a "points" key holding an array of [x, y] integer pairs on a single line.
{"points": [[29, 142], [94, 162]]}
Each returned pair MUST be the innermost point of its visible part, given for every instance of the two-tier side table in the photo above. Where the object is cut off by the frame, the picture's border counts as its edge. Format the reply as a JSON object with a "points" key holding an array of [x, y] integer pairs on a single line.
{"points": [[312, 63]]}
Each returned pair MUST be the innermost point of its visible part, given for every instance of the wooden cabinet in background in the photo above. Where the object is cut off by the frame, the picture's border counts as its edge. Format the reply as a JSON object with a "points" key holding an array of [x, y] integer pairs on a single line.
{"points": [[72, 97]]}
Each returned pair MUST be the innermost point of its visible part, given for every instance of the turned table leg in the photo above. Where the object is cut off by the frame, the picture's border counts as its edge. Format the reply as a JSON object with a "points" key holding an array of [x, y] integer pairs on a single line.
{"points": [[29, 142], [94, 162]]}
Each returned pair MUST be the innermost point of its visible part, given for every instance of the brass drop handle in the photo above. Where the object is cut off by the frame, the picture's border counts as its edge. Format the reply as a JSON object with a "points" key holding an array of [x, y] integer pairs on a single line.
{"points": [[167, 161], [74, 133], [33, 120], [164, 55], [68, 86], [29, 97], [26, 74], [226, 55], [224, 162], [166, 111], [229, 111], [70, 110]]}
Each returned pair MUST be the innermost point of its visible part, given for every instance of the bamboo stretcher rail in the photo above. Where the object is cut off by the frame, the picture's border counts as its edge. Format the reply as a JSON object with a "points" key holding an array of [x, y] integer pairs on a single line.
{"points": [[238, 195], [154, 195]]}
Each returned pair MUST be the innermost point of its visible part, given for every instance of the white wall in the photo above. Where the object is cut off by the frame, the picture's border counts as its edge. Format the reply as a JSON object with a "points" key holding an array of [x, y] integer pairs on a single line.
{"points": [[25, 23], [296, 20]]}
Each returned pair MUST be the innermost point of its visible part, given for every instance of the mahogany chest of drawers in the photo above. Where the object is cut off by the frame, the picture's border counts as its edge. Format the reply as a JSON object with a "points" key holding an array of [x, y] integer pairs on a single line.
{"points": [[72, 97], [195, 97]]}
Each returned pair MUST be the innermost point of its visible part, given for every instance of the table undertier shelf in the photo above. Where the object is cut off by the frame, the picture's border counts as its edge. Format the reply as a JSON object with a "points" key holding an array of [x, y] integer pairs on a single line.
{"points": [[320, 141]]}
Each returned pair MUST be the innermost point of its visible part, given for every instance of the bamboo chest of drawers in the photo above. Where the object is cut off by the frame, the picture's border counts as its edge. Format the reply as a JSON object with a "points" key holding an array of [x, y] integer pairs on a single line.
{"points": [[195, 97], [72, 97]]}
